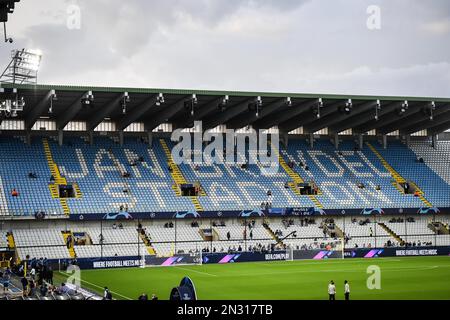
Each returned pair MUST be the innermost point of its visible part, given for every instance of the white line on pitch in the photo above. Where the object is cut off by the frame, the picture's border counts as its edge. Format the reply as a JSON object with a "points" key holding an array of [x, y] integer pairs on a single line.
{"points": [[201, 272], [97, 286]]}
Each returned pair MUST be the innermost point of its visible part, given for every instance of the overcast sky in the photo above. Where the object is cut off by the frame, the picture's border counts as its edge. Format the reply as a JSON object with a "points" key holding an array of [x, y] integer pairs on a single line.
{"points": [[311, 46]]}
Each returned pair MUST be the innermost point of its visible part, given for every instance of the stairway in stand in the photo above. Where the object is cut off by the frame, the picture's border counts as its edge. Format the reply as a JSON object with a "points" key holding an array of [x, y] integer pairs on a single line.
{"points": [[147, 242], [178, 177], [392, 233], [398, 179], [71, 248], [272, 233], [12, 245], [296, 179], [58, 179]]}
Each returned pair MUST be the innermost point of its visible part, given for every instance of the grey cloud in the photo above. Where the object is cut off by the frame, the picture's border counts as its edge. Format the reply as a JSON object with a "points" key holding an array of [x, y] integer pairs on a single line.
{"points": [[283, 45]]}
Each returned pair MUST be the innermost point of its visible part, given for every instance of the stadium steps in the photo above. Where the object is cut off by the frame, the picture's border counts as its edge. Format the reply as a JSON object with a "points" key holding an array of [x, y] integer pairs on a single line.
{"points": [[178, 177], [440, 229], [392, 233], [12, 245], [296, 179], [77, 190], [397, 177], [71, 250], [272, 234], [58, 179], [147, 242], [338, 231]]}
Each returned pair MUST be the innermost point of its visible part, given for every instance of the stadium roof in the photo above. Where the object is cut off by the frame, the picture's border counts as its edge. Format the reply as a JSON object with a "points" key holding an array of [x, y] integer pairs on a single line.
{"points": [[237, 113]]}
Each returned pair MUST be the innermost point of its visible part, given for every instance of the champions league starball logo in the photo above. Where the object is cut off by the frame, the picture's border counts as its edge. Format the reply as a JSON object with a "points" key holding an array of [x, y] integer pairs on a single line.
{"points": [[117, 216], [188, 214]]}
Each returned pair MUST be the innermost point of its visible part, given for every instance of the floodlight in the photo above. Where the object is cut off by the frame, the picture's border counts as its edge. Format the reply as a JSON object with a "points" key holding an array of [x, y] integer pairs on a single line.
{"points": [[23, 67], [88, 99], [288, 101], [347, 108], [53, 97], [123, 103], [159, 99], [316, 108], [222, 105], [377, 109], [429, 110], [403, 108]]}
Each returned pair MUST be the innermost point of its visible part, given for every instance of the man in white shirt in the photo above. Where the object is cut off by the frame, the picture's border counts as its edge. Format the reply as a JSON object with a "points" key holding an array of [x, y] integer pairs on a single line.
{"points": [[33, 273], [332, 291], [346, 290]]}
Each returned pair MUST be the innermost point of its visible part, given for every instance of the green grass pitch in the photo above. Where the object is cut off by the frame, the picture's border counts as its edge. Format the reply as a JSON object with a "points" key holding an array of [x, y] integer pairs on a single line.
{"points": [[401, 278]]}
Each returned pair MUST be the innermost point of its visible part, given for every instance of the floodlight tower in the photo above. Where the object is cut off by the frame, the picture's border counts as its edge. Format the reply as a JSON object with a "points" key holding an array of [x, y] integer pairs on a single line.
{"points": [[23, 67]]}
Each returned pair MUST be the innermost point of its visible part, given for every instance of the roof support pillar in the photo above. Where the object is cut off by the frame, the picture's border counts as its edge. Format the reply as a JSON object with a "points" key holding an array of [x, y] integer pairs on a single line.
{"points": [[360, 141], [336, 140], [121, 138], [384, 138], [150, 138], [434, 141], [91, 137], [285, 138], [60, 137], [28, 137], [311, 140], [407, 139]]}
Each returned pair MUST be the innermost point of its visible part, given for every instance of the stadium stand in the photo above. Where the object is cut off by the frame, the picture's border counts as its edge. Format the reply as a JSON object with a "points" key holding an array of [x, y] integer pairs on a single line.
{"points": [[3, 241], [97, 172], [169, 238], [404, 160], [355, 182], [38, 243], [17, 162], [437, 158]]}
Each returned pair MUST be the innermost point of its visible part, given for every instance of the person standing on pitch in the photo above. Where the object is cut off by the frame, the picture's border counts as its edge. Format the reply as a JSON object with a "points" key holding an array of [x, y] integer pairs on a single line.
{"points": [[346, 290], [332, 291]]}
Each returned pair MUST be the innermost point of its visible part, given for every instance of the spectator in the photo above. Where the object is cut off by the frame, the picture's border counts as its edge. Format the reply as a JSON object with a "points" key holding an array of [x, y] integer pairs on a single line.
{"points": [[63, 288], [43, 290], [32, 286], [14, 193], [154, 297], [24, 282], [143, 297], [107, 294], [6, 279], [33, 273], [49, 273]]}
